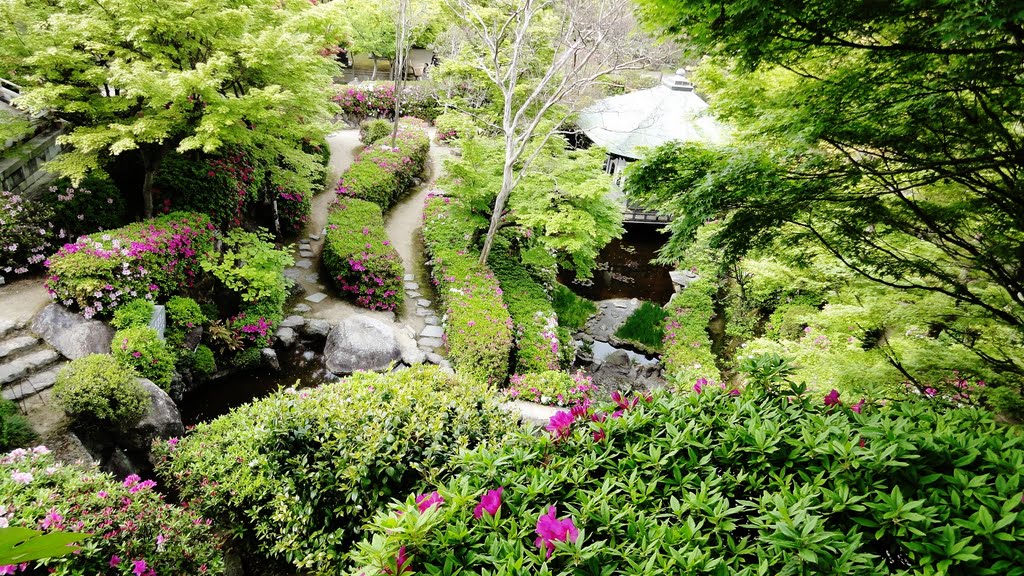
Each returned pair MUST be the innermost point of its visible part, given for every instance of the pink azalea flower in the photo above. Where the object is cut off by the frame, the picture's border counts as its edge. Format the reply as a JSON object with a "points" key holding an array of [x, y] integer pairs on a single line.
{"points": [[490, 503], [425, 501], [858, 406], [832, 398], [401, 563], [138, 567], [115, 561], [560, 424], [550, 529], [930, 392]]}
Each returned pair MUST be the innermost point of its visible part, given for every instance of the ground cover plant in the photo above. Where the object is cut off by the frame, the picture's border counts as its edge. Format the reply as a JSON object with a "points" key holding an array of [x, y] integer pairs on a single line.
{"points": [[382, 173], [686, 350], [551, 387], [133, 531], [478, 329], [361, 260], [718, 482], [298, 473], [573, 311], [645, 326]]}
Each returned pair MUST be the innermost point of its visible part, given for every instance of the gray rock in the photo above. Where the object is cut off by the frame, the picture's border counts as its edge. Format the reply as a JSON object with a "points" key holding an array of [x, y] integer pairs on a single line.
{"points": [[411, 355], [302, 308], [408, 278], [412, 286], [432, 321], [431, 343], [423, 303], [294, 288], [305, 246], [8, 326], [314, 237], [293, 273], [158, 320], [17, 344], [305, 264], [316, 328], [306, 253], [308, 355], [23, 366], [312, 278], [424, 312], [434, 358], [361, 343], [446, 367], [160, 422], [269, 357], [293, 322], [432, 332], [193, 338], [73, 335], [413, 294], [286, 336], [316, 298]]}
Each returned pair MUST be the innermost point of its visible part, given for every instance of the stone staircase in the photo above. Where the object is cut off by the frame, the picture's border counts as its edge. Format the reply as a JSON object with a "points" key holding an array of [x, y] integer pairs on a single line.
{"points": [[28, 365]]}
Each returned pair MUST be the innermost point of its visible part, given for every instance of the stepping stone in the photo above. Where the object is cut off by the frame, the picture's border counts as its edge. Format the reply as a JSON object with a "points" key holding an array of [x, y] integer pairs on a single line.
{"points": [[312, 278], [314, 237], [413, 294], [292, 322], [18, 391], [434, 358], [412, 286], [408, 278], [306, 253], [22, 366], [432, 332], [432, 321], [18, 344], [43, 380], [423, 303], [305, 264], [424, 312], [302, 308], [304, 246], [293, 273], [7, 326], [431, 343], [316, 298]]}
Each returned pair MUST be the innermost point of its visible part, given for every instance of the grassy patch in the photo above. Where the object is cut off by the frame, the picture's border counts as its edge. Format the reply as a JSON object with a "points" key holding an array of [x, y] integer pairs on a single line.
{"points": [[645, 326], [573, 311]]}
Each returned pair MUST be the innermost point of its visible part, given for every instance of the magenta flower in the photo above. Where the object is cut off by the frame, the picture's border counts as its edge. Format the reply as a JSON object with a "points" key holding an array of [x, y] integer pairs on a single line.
{"points": [[832, 398], [930, 392], [858, 406], [560, 424], [550, 530], [598, 435], [401, 563], [138, 567], [425, 501], [490, 503], [115, 560], [698, 387]]}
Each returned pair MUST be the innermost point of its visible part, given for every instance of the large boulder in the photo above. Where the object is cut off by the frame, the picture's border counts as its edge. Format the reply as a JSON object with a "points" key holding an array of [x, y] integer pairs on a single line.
{"points": [[161, 421], [361, 343], [72, 334]]}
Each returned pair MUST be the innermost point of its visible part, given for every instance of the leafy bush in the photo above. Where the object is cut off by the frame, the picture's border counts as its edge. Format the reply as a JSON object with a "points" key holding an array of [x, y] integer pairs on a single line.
{"points": [[141, 348], [358, 103], [712, 483], [15, 431], [551, 387], [183, 315], [203, 361], [645, 326], [26, 233], [300, 472], [370, 131], [137, 312], [360, 257], [293, 208], [100, 272], [686, 350], [99, 391], [573, 311], [133, 530], [452, 125], [95, 204], [219, 186], [382, 174], [478, 329]]}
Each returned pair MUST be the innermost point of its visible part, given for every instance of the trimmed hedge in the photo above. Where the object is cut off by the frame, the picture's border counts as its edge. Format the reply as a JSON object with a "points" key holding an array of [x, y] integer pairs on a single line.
{"points": [[220, 186], [98, 391], [359, 256], [478, 329], [155, 257], [298, 473], [370, 131], [711, 483], [686, 349], [382, 174], [377, 100]]}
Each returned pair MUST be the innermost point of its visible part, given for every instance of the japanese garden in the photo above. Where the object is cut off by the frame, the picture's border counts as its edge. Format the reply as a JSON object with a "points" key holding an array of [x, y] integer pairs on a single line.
{"points": [[511, 287]]}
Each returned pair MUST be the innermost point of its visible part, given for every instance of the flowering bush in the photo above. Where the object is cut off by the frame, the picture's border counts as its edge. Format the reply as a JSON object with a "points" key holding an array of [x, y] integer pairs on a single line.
{"points": [[100, 272], [686, 348], [370, 131], [359, 256], [713, 483], [361, 442], [293, 207], [219, 186], [478, 328], [134, 532], [452, 126], [26, 233], [141, 348], [552, 387], [95, 204], [382, 174], [365, 101], [97, 391]]}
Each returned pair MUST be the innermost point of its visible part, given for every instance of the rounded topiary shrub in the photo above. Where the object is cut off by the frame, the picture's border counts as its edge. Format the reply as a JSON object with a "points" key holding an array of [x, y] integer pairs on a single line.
{"points": [[141, 348], [371, 131], [137, 312], [98, 391], [721, 483], [15, 430], [299, 472]]}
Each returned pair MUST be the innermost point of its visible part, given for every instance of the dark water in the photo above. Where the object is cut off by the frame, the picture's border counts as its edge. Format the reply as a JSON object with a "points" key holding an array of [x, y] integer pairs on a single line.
{"points": [[624, 269]]}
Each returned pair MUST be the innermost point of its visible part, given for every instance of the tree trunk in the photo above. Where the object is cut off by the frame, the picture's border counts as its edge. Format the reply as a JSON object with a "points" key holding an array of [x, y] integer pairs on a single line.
{"points": [[499, 207], [151, 160]]}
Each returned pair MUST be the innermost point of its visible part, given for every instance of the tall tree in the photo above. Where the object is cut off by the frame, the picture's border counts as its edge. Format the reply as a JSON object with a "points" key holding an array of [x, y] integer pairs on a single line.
{"points": [[174, 74], [886, 133]]}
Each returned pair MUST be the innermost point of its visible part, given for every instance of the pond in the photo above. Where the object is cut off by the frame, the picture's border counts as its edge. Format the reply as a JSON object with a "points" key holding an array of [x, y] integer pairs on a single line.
{"points": [[624, 269]]}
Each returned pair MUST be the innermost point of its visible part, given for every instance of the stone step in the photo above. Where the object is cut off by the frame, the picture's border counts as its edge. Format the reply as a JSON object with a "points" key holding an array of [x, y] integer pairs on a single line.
{"points": [[34, 384], [12, 346], [23, 366], [8, 327]]}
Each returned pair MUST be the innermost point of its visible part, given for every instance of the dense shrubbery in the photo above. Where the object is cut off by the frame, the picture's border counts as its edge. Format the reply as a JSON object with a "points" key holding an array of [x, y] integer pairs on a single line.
{"points": [[95, 204], [137, 312], [97, 391], [645, 326], [452, 125], [26, 233], [552, 387], [369, 101], [382, 174], [478, 329], [300, 472], [573, 311], [220, 186], [359, 256], [686, 351], [713, 483], [183, 316], [133, 531], [15, 431], [536, 327], [100, 272], [370, 131], [142, 349]]}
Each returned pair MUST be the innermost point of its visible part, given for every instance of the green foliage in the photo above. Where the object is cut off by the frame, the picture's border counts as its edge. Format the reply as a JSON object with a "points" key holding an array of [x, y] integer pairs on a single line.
{"points": [[359, 256], [95, 204], [371, 131], [127, 519], [382, 174], [645, 326], [711, 483], [142, 349], [324, 459], [155, 257], [1008, 402], [453, 125], [99, 391], [686, 351], [573, 311], [137, 312], [220, 186], [183, 315], [551, 387], [21, 545], [15, 431], [249, 265], [203, 361], [478, 331]]}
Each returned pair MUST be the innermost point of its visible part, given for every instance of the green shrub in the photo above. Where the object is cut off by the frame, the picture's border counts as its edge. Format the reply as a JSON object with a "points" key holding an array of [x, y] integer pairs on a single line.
{"points": [[300, 472], [141, 348], [382, 174], [156, 257], [551, 387], [645, 326], [370, 131], [137, 312], [99, 391], [573, 311], [219, 186], [359, 256], [453, 125], [95, 204], [183, 315], [478, 330], [686, 350], [715, 484], [15, 431], [203, 361], [1007, 401], [128, 520]]}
